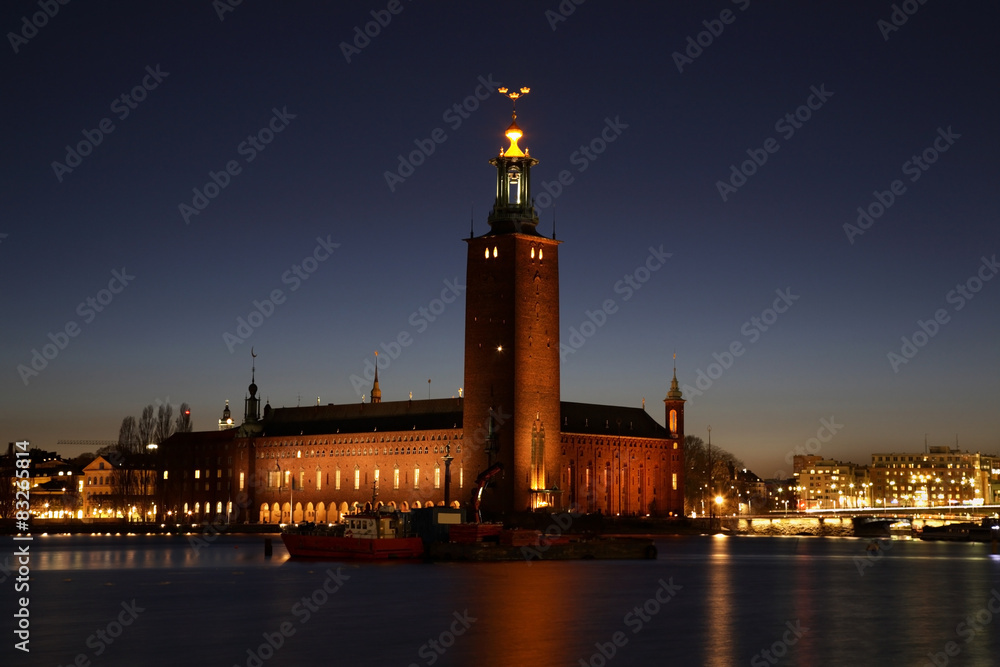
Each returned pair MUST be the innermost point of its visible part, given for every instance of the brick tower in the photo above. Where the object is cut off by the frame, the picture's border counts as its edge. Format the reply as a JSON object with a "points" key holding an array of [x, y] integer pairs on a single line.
{"points": [[673, 406], [511, 411]]}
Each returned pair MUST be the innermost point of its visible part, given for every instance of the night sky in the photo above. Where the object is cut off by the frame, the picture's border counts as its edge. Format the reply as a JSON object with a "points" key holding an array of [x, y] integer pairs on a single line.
{"points": [[743, 152]]}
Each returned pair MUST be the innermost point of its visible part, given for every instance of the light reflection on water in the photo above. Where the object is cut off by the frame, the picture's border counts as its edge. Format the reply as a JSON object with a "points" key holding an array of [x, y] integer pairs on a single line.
{"points": [[209, 606]]}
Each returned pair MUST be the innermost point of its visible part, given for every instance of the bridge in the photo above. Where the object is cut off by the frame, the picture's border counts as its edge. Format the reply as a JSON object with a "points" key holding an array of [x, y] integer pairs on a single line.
{"points": [[843, 522]]}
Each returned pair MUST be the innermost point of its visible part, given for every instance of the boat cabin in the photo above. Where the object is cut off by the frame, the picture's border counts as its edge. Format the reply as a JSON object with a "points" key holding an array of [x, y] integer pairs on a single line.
{"points": [[374, 526]]}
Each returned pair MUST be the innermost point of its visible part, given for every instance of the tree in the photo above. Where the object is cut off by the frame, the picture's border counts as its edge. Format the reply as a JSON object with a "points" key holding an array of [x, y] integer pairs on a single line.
{"points": [[128, 437], [183, 423], [164, 424], [124, 487], [147, 425], [708, 474]]}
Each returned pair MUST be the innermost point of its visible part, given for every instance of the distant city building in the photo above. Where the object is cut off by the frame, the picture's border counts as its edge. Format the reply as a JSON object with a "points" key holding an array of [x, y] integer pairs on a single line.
{"points": [[828, 484], [939, 476], [56, 489], [97, 489], [119, 489], [226, 421], [801, 461], [316, 463]]}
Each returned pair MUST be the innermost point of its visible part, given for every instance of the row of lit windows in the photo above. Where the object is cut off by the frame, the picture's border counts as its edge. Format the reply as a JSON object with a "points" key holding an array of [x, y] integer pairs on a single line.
{"points": [[603, 442], [925, 458], [277, 479], [366, 451], [541, 254], [101, 480]]}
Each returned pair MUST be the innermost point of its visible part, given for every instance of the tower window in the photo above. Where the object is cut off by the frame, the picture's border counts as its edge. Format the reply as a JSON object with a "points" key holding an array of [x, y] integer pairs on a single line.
{"points": [[539, 253], [487, 253], [494, 251], [532, 253], [514, 183]]}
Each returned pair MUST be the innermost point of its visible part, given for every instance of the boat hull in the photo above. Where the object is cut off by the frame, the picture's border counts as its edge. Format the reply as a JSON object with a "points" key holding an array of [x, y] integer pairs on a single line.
{"points": [[327, 547]]}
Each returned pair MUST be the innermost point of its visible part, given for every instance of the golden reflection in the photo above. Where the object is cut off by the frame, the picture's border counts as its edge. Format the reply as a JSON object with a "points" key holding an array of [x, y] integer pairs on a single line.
{"points": [[521, 599], [719, 602]]}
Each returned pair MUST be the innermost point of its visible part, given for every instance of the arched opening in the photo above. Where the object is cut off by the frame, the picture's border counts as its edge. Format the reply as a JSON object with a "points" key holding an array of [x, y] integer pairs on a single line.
{"points": [[275, 513], [297, 517], [286, 512], [416, 504], [404, 506], [344, 509], [456, 504], [265, 513], [320, 513], [310, 512]]}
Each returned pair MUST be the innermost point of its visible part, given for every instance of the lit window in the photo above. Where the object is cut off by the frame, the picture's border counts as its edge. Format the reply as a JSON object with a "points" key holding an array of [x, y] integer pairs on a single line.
{"points": [[197, 474], [487, 253], [395, 477], [416, 478], [673, 481], [540, 256], [532, 253], [357, 478], [673, 421], [437, 476], [336, 480], [165, 474], [494, 251], [319, 480], [241, 481]]}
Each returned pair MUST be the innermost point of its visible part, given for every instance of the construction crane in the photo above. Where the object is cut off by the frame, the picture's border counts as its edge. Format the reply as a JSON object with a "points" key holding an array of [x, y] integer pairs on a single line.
{"points": [[89, 443]]}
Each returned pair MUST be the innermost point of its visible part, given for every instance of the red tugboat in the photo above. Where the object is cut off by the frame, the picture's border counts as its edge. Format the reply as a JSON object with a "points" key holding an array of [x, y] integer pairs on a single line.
{"points": [[378, 534], [373, 535]]}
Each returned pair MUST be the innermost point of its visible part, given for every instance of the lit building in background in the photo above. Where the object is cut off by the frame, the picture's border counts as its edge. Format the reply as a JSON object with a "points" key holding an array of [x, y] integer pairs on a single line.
{"points": [[827, 484], [226, 421], [938, 477]]}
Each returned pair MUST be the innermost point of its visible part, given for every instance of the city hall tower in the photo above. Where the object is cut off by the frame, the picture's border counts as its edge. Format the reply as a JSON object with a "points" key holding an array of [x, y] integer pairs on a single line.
{"points": [[512, 407]]}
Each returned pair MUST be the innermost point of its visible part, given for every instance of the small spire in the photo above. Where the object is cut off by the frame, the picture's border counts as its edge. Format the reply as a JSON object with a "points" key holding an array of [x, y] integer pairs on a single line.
{"points": [[675, 391], [376, 390]]}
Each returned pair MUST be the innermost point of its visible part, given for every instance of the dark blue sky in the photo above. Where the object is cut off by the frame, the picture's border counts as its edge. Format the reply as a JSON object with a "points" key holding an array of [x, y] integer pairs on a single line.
{"points": [[862, 106]]}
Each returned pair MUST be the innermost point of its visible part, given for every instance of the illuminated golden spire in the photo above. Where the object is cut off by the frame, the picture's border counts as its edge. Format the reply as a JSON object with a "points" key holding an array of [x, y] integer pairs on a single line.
{"points": [[513, 132]]}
